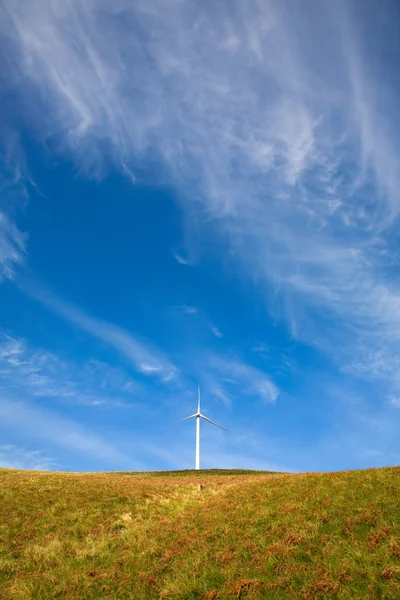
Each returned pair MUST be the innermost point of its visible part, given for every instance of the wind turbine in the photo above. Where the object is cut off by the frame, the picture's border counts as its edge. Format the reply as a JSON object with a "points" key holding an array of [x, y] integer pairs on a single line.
{"points": [[199, 416]]}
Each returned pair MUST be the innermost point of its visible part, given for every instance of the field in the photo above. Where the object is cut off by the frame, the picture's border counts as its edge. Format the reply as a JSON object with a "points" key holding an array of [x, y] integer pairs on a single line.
{"points": [[158, 535]]}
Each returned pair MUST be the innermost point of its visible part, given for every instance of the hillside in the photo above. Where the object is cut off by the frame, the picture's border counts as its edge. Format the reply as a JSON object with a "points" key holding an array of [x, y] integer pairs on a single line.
{"points": [[244, 535]]}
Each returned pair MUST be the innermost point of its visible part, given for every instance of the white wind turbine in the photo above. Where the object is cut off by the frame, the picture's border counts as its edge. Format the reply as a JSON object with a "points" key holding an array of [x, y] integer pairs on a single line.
{"points": [[199, 416]]}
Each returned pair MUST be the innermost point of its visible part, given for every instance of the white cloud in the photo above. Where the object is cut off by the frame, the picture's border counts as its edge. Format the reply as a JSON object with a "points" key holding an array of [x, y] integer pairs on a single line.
{"points": [[189, 310], [227, 378], [42, 374], [270, 121], [145, 359], [14, 179], [52, 428], [181, 96], [181, 260], [14, 457], [12, 247], [216, 331], [193, 310], [262, 349]]}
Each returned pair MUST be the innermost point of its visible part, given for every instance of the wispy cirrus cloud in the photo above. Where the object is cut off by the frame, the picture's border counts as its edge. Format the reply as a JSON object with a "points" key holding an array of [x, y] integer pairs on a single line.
{"points": [[197, 312], [181, 260], [189, 310], [217, 332], [14, 181], [228, 378], [41, 374], [14, 457], [142, 356], [52, 428], [12, 247], [275, 123]]}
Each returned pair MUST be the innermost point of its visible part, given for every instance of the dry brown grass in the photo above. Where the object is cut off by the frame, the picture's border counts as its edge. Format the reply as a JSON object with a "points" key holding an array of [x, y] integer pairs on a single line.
{"points": [[145, 536]]}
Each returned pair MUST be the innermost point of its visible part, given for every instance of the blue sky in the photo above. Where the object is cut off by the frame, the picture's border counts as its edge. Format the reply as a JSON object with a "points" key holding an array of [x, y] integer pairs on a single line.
{"points": [[199, 192]]}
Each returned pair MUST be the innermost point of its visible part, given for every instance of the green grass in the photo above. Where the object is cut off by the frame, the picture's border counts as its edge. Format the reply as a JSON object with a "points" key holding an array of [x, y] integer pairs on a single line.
{"points": [[157, 535]]}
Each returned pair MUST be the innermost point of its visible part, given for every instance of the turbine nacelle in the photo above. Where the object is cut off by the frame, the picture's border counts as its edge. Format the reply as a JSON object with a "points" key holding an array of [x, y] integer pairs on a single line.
{"points": [[200, 416]]}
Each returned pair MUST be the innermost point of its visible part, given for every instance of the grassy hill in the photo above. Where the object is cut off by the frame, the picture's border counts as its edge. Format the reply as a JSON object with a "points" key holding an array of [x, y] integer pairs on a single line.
{"points": [[157, 535]]}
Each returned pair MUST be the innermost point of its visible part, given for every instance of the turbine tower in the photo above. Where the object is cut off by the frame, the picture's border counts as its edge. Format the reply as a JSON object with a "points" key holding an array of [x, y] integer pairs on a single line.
{"points": [[199, 416]]}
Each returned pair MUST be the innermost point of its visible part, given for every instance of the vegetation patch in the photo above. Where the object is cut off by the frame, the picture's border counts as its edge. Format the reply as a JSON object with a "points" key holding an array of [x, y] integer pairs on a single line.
{"points": [[164, 536]]}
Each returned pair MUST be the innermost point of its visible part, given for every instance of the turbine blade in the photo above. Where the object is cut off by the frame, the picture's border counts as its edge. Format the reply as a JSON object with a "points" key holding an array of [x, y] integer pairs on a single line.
{"points": [[198, 399], [185, 419], [212, 422]]}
